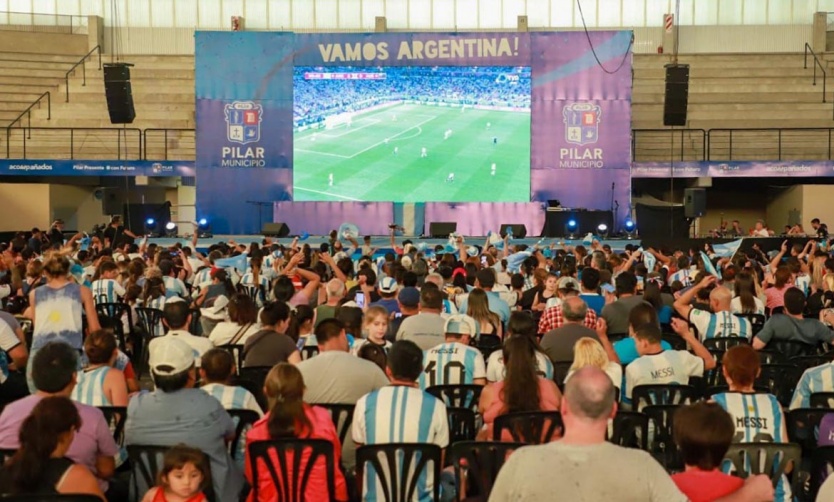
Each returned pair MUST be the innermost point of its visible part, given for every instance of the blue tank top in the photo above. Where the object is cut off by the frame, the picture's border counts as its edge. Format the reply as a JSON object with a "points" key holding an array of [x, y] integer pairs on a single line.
{"points": [[58, 315]]}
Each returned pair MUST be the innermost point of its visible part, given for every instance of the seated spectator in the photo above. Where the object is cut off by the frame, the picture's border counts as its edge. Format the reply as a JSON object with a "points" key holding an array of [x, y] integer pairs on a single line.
{"points": [[478, 308], [652, 296], [159, 417], [554, 318], [334, 293], [426, 328], [418, 416], [105, 288], [375, 328], [40, 466], [522, 388], [185, 475], [589, 290], [177, 317], [549, 291], [388, 292], [408, 301], [454, 362], [100, 383], [776, 286], [54, 371], [290, 417], [558, 344], [534, 279], [256, 278], [242, 323], [283, 289], [657, 366], [718, 323], [616, 313], [703, 433], [375, 354], [746, 300], [270, 345], [521, 324], [626, 348], [485, 280], [217, 368], [817, 379], [300, 329], [12, 367], [589, 352], [791, 325]]}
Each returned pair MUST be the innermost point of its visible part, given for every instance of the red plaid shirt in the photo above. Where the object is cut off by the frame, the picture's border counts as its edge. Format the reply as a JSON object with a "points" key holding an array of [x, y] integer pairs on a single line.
{"points": [[552, 318]]}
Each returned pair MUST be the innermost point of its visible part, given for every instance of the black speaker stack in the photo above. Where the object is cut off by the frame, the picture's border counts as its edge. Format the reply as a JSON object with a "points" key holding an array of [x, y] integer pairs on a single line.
{"points": [[676, 98], [118, 91]]}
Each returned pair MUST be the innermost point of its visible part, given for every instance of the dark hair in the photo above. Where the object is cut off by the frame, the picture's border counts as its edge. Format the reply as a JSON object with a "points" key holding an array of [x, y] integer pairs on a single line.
{"points": [[284, 387], [590, 278], [649, 332], [640, 314], [405, 360], [242, 309], [651, 295], [745, 289], [39, 435], [153, 289], [742, 364], [177, 456], [53, 367], [176, 314], [431, 298], [521, 383], [99, 346], [166, 267], [374, 353], [794, 301], [302, 314], [171, 383], [815, 220], [283, 290], [486, 278], [351, 318], [104, 267], [517, 281], [370, 276], [218, 365], [625, 283], [703, 432], [274, 312], [328, 329], [522, 323]]}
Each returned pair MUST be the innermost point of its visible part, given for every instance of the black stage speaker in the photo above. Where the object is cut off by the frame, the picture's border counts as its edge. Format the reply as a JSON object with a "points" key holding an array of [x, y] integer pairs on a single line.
{"points": [[519, 231], [277, 229], [442, 229], [112, 201], [694, 202], [118, 92], [677, 95]]}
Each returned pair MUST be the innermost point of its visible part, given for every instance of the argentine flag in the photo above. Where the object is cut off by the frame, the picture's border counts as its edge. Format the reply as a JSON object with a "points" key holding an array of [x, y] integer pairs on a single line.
{"points": [[238, 262], [648, 260], [709, 267], [727, 250]]}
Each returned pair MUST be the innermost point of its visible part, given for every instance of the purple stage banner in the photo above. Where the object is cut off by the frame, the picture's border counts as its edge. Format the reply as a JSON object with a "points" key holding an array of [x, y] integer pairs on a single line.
{"points": [[319, 218], [751, 169], [478, 218]]}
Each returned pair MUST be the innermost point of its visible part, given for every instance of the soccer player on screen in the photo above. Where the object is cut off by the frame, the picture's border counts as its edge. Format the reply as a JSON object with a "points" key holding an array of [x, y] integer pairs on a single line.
{"points": [[330, 179], [396, 150], [489, 125], [423, 153], [492, 169], [447, 134], [450, 178], [495, 140]]}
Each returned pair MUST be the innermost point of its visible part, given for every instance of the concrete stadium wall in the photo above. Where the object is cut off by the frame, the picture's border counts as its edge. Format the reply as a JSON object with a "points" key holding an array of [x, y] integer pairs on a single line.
{"points": [[28, 202]]}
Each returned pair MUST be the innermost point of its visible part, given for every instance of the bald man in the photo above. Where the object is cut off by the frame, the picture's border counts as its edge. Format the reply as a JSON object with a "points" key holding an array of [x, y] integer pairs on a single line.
{"points": [[558, 343], [721, 322], [583, 466]]}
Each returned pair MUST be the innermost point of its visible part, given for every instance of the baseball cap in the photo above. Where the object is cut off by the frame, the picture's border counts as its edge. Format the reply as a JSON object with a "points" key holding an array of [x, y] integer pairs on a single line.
{"points": [[406, 262], [461, 324], [410, 297], [567, 283], [171, 353], [388, 285]]}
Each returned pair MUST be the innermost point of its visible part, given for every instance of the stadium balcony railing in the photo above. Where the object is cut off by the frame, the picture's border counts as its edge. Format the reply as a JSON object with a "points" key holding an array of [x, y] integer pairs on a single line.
{"points": [[648, 145]]}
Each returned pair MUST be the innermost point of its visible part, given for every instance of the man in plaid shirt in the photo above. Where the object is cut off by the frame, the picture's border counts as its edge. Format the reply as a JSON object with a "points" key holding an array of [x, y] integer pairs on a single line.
{"points": [[552, 318]]}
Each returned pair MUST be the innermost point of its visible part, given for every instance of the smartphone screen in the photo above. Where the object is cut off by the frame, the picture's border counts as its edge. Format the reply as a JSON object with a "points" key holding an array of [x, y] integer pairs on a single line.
{"points": [[608, 288], [360, 300]]}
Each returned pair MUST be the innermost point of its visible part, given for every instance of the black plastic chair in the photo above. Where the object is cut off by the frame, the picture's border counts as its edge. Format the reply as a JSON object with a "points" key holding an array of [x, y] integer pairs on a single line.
{"points": [[461, 424], [236, 350], [560, 372], [808, 362], [290, 481], [790, 348], [780, 380], [770, 459], [768, 357], [720, 389], [488, 344], [309, 351], [675, 341], [195, 327], [110, 317], [532, 427], [115, 417], [662, 445], [822, 464], [255, 292], [145, 464], [823, 400], [342, 416], [757, 321], [724, 343], [398, 468], [244, 420], [254, 389], [803, 427], [649, 395], [478, 463], [256, 375], [631, 430], [149, 321], [458, 396], [50, 498]]}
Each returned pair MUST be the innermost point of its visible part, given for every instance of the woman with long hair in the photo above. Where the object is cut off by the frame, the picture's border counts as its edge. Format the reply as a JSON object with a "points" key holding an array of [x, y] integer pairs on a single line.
{"points": [[522, 388], [589, 352], [745, 300], [255, 278], [782, 281], [289, 417], [651, 295], [153, 293], [520, 324], [301, 326], [478, 309], [242, 323], [40, 465]]}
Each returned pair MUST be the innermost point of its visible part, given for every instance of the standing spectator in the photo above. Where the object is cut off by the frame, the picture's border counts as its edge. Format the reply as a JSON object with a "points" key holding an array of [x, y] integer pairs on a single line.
{"points": [[455, 361], [100, 383], [290, 417], [821, 229], [616, 313], [521, 324], [242, 323], [105, 287], [93, 446], [426, 328], [176, 413], [791, 325], [335, 292], [217, 368], [56, 234], [401, 413], [719, 323], [271, 345], [478, 308], [746, 300], [256, 278], [36, 241], [589, 290], [41, 465], [114, 234]]}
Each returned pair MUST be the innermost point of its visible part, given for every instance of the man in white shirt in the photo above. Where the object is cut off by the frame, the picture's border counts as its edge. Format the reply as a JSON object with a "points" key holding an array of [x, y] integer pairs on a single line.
{"points": [[454, 362], [761, 229], [177, 318], [721, 322]]}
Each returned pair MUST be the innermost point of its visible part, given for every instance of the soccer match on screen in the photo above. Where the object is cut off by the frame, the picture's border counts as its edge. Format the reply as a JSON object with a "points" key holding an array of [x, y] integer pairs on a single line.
{"points": [[411, 134]]}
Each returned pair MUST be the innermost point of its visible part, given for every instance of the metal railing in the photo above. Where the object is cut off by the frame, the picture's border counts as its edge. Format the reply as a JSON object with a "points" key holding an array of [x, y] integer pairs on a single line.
{"points": [[45, 23], [169, 144], [649, 145], [113, 143], [770, 144], [83, 64], [817, 63], [28, 113]]}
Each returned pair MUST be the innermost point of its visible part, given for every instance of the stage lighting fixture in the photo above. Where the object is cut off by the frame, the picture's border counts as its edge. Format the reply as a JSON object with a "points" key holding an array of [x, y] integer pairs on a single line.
{"points": [[151, 227], [171, 229], [602, 230], [571, 229], [203, 228], [630, 229]]}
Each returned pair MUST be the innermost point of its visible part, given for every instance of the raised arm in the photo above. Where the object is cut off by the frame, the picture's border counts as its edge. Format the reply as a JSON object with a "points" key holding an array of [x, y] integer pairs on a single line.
{"points": [[774, 263], [602, 333], [330, 262], [681, 327], [683, 305]]}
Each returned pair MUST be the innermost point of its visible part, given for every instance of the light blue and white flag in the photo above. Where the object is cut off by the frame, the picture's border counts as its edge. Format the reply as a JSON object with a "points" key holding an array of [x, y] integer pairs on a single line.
{"points": [[237, 262], [648, 260], [709, 267], [727, 250]]}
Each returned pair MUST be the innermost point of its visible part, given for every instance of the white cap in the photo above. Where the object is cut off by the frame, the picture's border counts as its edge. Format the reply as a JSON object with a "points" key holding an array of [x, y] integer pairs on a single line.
{"points": [[461, 324], [171, 352]]}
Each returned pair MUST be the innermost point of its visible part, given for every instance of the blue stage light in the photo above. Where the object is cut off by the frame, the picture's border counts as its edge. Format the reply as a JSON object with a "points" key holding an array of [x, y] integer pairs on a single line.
{"points": [[202, 222], [571, 223], [629, 225], [150, 222]]}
